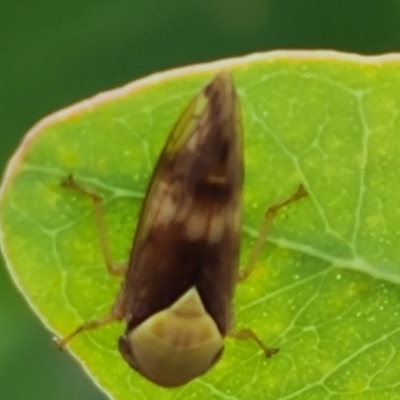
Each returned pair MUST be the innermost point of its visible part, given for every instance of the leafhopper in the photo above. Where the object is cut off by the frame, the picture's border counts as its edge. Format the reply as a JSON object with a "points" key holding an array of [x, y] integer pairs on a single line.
{"points": [[176, 296]]}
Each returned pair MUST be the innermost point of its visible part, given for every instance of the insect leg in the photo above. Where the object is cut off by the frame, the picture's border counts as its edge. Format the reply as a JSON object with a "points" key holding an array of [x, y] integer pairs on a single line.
{"points": [[98, 207], [116, 313], [265, 230], [248, 334], [93, 324]]}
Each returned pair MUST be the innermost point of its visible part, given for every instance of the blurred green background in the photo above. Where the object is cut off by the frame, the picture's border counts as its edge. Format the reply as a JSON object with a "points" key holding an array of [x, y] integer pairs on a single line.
{"points": [[54, 53]]}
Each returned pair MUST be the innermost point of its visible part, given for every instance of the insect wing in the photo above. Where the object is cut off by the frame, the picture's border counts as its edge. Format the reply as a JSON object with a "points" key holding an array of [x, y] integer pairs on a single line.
{"points": [[188, 231]]}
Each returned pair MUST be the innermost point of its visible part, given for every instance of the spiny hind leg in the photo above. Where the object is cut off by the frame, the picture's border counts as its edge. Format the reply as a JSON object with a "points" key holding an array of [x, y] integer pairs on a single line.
{"points": [[248, 334], [265, 230], [98, 208]]}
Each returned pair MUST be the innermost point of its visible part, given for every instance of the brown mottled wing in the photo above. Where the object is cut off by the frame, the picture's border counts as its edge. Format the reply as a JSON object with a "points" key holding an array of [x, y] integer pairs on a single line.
{"points": [[189, 228]]}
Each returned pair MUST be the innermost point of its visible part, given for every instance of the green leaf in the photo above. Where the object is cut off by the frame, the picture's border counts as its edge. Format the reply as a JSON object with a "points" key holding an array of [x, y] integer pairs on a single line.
{"points": [[326, 289]]}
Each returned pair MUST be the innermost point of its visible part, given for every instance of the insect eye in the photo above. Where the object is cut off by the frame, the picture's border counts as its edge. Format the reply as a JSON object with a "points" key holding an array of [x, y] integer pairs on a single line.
{"points": [[126, 352], [217, 357]]}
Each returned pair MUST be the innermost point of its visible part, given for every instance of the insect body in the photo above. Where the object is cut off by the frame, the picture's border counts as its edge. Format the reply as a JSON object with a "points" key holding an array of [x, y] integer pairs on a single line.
{"points": [[177, 293], [183, 266]]}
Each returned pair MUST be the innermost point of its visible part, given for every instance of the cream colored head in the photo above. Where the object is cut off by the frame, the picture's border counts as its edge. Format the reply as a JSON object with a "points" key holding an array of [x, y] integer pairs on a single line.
{"points": [[175, 345]]}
